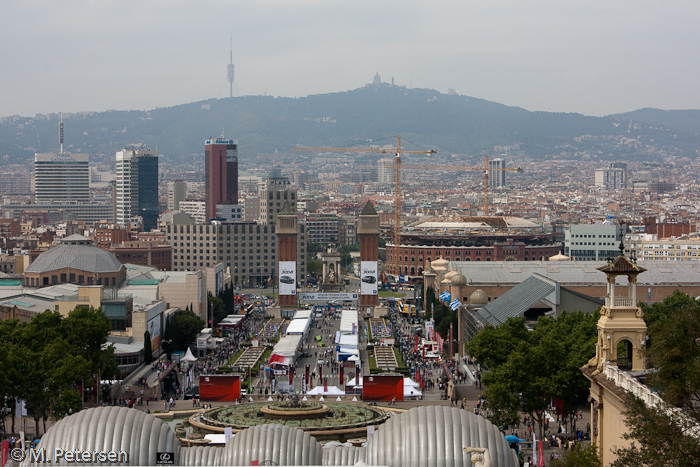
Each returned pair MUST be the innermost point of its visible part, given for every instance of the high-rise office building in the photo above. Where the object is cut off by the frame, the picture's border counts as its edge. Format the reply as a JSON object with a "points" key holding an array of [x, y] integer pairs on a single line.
{"points": [[613, 177], [273, 192], [61, 177], [497, 178], [179, 193], [137, 186], [220, 173], [385, 171]]}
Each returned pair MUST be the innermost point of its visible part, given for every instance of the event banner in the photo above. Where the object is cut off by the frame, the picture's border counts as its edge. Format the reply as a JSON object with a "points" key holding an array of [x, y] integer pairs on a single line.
{"points": [[368, 278], [153, 327], [288, 277], [224, 388], [328, 296], [382, 388]]}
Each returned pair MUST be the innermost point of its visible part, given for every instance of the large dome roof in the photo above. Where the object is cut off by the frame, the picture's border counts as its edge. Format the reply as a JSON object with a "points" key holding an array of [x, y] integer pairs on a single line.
{"points": [[75, 253]]}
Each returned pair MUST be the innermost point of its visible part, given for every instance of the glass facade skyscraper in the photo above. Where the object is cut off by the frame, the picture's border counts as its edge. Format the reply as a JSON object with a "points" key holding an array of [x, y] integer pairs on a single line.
{"points": [[137, 186]]}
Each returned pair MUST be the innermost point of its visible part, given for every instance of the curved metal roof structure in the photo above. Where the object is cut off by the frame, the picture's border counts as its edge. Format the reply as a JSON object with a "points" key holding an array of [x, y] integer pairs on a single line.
{"points": [[105, 429], [423, 436], [75, 256], [432, 436]]}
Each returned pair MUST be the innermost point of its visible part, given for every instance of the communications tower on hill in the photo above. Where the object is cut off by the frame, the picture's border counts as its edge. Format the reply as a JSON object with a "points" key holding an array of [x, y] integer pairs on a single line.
{"points": [[230, 72]]}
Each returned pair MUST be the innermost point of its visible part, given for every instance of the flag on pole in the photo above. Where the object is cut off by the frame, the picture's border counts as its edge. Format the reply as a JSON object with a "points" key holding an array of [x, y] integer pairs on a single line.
{"points": [[534, 448], [454, 304], [445, 296]]}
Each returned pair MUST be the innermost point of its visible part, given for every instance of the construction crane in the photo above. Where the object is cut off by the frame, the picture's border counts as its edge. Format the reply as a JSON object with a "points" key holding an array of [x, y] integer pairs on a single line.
{"points": [[485, 168], [397, 181]]}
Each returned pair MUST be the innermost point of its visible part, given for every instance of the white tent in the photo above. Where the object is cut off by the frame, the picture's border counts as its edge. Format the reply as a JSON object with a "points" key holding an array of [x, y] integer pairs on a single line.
{"points": [[188, 356], [354, 358], [332, 391], [410, 391], [409, 382]]}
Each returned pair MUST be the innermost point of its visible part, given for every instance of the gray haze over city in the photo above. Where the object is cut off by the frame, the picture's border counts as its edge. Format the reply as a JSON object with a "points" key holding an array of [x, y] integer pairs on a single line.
{"points": [[595, 57]]}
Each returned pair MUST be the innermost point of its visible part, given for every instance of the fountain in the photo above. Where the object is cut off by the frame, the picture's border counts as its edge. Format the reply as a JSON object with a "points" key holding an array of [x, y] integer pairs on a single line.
{"points": [[328, 420], [295, 410]]}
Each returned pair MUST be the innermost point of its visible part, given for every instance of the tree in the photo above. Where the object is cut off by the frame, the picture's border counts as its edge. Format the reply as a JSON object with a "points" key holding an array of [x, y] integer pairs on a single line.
{"points": [[494, 345], [45, 360], [580, 455], [68, 402], [529, 369], [47, 372], [429, 295], [219, 309], [665, 437], [147, 350], [657, 311], [182, 329], [660, 438], [87, 329]]}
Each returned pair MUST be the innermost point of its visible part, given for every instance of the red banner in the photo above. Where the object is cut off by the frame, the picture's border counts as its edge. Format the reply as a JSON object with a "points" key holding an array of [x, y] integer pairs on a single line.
{"points": [[5, 451], [225, 388], [382, 388]]}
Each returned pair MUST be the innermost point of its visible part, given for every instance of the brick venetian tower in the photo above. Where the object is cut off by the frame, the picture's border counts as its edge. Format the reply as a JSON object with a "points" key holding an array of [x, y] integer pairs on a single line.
{"points": [[287, 259], [368, 232]]}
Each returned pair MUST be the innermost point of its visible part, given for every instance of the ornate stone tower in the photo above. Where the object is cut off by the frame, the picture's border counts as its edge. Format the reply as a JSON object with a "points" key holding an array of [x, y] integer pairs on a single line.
{"points": [[621, 320], [368, 233], [287, 274]]}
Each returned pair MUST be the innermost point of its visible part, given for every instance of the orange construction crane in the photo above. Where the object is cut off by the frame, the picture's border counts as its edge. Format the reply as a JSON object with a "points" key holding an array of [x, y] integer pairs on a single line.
{"points": [[397, 180], [485, 168]]}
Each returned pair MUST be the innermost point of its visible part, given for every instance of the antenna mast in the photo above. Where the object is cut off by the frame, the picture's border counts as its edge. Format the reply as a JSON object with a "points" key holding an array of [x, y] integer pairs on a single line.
{"points": [[230, 71], [60, 133]]}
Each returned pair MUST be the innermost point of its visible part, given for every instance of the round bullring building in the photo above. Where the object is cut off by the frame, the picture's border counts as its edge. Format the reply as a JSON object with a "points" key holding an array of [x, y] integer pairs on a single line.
{"points": [[468, 238], [75, 261]]}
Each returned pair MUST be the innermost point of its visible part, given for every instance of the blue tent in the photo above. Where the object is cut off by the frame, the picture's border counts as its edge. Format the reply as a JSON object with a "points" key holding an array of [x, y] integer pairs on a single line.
{"points": [[514, 442]]}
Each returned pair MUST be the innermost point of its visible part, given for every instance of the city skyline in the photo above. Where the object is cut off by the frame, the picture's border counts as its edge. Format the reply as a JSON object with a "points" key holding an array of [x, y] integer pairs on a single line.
{"points": [[595, 58]]}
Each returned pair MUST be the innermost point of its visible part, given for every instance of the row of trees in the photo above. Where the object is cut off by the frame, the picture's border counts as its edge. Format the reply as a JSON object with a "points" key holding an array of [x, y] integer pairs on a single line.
{"points": [[45, 361], [530, 369]]}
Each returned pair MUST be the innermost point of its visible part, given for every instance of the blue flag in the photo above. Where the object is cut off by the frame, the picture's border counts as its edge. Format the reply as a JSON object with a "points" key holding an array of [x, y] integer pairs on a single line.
{"points": [[454, 304], [445, 296]]}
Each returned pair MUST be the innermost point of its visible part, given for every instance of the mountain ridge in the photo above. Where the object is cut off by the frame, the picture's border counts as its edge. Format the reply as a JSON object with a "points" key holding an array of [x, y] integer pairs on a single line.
{"points": [[451, 124]]}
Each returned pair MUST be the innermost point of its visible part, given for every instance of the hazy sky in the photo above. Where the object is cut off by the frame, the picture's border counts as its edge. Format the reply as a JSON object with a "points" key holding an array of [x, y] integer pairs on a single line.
{"points": [[594, 57]]}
